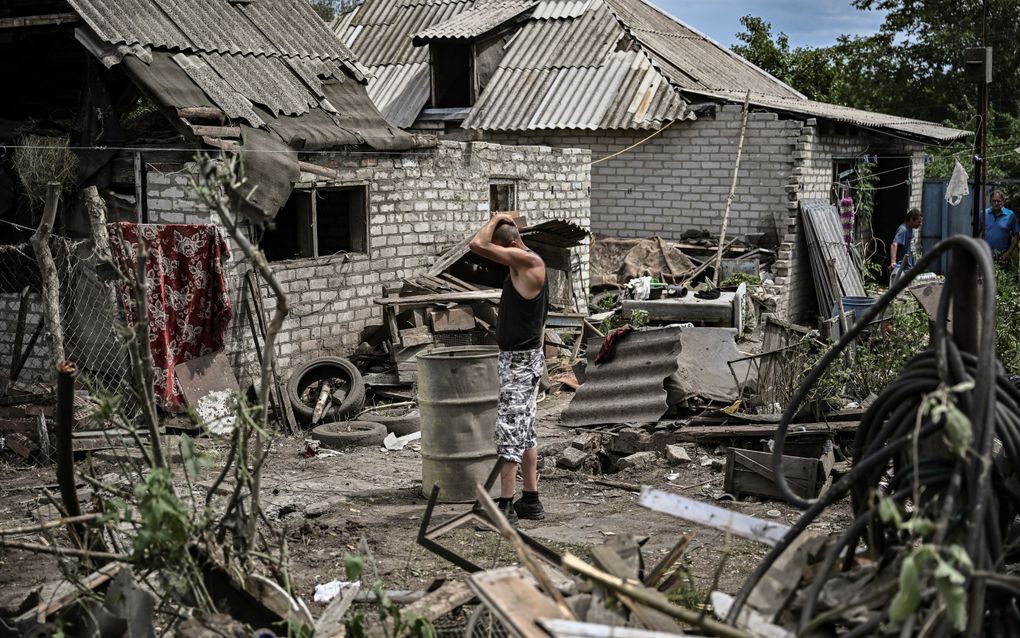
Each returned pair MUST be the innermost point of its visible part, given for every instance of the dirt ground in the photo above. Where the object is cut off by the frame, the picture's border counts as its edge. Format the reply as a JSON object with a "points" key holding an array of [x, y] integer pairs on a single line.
{"points": [[329, 504]]}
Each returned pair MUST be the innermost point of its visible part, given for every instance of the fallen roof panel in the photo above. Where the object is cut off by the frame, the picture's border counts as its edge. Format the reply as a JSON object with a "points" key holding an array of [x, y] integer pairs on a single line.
{"points": [[628, 388]]}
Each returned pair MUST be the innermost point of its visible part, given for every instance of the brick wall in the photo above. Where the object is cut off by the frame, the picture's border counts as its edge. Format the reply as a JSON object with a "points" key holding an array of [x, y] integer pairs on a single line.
{"points": [[418, 204]]}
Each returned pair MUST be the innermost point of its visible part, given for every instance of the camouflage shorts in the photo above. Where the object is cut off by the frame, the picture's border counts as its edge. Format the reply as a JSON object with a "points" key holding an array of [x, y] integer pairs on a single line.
{"points": [[519, 372]]}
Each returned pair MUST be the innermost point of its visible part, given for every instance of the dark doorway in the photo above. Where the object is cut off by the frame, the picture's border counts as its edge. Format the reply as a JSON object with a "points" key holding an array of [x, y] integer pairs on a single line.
{"points": [[892, 201], [451, 75]]}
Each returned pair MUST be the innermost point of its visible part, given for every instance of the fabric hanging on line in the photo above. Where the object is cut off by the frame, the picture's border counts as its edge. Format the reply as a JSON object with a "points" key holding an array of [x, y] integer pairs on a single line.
{"points": [[187, 301], [957, 188], [847, 215]]}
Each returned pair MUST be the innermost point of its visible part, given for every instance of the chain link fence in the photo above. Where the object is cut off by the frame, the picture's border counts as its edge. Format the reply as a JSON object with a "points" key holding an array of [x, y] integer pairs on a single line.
{"points": [[89, 316]]}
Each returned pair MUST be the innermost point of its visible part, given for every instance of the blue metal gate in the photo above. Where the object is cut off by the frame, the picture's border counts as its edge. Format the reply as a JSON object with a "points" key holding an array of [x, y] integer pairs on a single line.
{"points": [[942, 220]]}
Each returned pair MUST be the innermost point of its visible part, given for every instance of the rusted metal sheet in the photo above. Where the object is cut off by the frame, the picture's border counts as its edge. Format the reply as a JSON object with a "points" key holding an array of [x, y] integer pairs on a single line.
{"points": [[473, 22], [628, 388], [204, 375]]}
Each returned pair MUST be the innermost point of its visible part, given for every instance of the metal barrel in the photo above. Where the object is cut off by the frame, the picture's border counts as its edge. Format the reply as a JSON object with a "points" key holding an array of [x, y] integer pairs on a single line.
{"points": [[458, 390]]}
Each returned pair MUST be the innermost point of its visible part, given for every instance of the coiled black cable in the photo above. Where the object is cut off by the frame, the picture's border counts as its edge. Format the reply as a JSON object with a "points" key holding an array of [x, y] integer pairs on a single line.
{"points": [[955, 492]]}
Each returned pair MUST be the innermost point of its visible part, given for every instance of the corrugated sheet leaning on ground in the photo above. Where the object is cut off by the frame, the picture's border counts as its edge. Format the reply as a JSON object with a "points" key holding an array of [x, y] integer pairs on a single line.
{"points": [[629, 387], [474, 22]]}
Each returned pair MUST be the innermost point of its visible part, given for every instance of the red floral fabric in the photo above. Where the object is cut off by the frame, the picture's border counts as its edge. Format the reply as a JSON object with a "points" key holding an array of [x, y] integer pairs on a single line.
{"points": [[188, 305]]}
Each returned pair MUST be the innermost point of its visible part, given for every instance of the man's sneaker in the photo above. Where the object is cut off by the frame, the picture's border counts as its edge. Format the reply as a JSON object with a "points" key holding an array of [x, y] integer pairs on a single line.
{"points": [[530, 511]]}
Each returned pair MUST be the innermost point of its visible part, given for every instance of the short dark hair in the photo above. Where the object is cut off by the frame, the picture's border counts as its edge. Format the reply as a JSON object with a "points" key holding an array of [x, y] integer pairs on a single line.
{"points": [[913, 213], [505, 233]]}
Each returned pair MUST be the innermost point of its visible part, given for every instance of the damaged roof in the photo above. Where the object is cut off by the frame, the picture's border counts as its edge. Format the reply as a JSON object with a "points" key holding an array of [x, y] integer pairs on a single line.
{"points": [[628, 65], [265, 64]]}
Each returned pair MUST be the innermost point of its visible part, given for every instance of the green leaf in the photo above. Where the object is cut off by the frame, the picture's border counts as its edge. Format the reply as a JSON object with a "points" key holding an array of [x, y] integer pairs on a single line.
{"points": [[963, 386], [959, 433], [193, 460], [909, 595], [949, 584], [918, 526], [354, 565], [889, 512], [960, 557]]}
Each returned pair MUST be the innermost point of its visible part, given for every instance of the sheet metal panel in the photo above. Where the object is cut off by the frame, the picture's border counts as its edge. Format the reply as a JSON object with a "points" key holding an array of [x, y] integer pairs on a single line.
{"points": [[265, 81], [390, 42], [400, 91], [559, 9], [131, 22], [235, 105], [629, 387], [868, 119], [543, 44], [473, 22], [619, 94], [294, 28]]}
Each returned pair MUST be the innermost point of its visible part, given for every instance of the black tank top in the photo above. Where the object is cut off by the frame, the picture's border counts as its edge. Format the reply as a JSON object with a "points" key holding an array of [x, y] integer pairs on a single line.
{"points": [[521, 322]]}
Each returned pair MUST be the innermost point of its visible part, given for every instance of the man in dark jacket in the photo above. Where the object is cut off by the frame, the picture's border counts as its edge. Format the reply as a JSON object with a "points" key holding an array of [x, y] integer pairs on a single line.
{"points": [[520, 330]]}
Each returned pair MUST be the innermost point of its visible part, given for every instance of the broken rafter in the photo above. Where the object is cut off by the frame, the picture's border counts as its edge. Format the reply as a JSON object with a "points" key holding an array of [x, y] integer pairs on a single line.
{"points": [[39, 21], [201, 113], [204, 130], [315, 169]]}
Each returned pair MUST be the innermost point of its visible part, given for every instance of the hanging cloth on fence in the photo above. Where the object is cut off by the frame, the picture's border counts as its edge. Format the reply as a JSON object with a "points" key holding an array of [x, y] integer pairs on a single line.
{"points": [[957, 188], [188, 305]]}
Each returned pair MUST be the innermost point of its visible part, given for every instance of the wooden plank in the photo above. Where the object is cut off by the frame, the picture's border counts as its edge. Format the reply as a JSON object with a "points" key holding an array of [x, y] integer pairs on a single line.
{"points": [[698, 433], [742, 525], [475, 295], [607, 558], [200, 130], [686, 309], [415, 337], [52, 19], [513, 599], [452, 255], [442, 601], [331, 623], [452, 320]]}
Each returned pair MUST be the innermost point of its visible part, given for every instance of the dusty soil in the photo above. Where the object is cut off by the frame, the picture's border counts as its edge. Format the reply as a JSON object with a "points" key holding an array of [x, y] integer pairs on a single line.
{"points": [[329, 504]]}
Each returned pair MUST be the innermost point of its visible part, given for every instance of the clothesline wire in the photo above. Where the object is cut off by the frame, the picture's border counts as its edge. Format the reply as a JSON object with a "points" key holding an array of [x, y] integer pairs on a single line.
{"points": [[4, 147]]}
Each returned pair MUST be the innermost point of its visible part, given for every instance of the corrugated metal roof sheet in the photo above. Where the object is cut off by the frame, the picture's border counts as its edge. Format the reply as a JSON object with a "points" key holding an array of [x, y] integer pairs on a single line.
{"points": [[622, 93], [280, 27], [400, 91], [389, 41], [541, 44], [628, 388], [556, 232], [867, 119], [553, 9], [688, 57], [473, 22]]}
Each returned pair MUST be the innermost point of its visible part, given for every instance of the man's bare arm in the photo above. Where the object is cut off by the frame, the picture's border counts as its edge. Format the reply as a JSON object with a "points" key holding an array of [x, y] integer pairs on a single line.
{"points": [[514, 258]]}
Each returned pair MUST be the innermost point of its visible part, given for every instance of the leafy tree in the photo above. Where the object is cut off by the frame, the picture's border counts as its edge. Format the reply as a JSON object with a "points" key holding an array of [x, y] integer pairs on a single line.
{"points": [[329, 9], [912, 67]]}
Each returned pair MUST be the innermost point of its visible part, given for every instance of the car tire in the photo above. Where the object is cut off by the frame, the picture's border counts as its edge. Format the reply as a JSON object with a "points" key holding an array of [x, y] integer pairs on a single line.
{"points": [[316, 370], [397, 425], [340, 435]]}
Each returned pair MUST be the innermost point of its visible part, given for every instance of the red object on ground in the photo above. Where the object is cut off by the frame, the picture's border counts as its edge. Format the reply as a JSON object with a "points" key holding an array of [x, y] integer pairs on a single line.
{"points": [[606, 351], [188, 305]]}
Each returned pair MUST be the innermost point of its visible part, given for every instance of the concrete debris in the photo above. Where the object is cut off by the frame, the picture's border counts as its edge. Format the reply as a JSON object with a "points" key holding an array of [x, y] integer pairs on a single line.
{"points": [[587, 442], [677, 454], [572, 458], [629, 441], [638, 459]]}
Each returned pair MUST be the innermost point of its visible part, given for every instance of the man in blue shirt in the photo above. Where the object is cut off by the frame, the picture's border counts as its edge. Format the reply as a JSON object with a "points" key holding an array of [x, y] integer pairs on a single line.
{"points": [[901, 257], [1002, 231]]}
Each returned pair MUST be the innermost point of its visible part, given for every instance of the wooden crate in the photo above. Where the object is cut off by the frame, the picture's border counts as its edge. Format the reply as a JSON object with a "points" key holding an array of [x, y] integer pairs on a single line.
{"points": [[749, 473]]}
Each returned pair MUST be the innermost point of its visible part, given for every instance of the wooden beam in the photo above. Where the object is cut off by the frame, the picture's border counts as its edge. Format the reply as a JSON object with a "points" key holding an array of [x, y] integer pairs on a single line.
{"points": [[204, 130], [201, 113], [698, 433], [722, 519], [315, 169], [475, 295], [39, 21]]}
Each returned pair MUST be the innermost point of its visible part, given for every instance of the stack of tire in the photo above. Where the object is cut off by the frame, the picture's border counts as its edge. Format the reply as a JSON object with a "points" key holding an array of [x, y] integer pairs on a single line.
{"points": [[340, 428]]}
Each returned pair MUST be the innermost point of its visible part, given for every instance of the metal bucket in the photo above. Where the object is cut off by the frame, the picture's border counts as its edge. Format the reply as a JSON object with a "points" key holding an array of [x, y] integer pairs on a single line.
{"points": [[458, 390]]}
